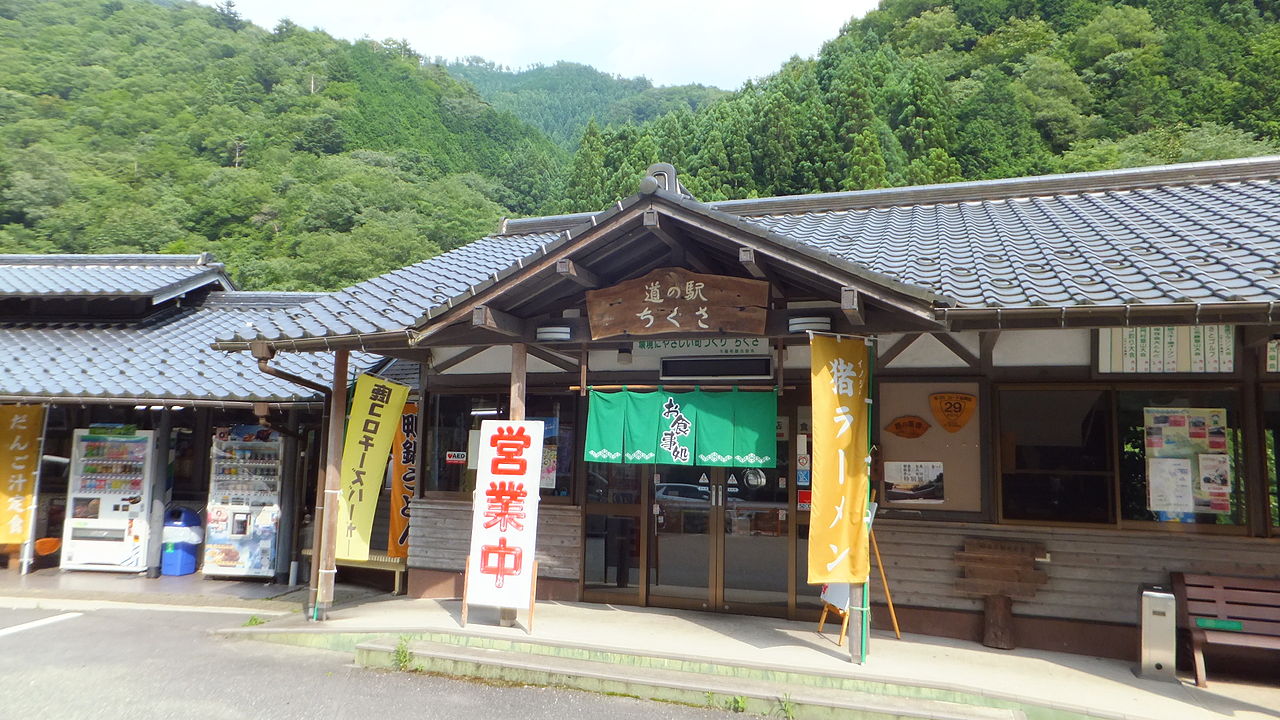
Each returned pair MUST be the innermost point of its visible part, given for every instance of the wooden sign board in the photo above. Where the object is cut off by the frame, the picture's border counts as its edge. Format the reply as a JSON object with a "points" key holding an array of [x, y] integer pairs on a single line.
{"points": [[675, 300]]}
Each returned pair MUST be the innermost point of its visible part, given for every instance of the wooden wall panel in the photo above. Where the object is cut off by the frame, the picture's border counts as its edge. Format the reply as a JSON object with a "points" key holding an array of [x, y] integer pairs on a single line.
{"points": [[440, 537], [1093, 574]]}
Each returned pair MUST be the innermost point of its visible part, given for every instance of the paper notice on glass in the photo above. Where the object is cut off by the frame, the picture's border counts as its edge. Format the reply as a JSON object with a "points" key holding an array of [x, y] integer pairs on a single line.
{"points": [[1213, 489], [913, 482], [1169, 486]]}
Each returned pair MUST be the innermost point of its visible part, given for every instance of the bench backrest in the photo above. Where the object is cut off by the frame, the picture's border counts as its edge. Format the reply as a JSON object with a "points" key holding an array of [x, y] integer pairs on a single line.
{"points": [[1234, 604]]}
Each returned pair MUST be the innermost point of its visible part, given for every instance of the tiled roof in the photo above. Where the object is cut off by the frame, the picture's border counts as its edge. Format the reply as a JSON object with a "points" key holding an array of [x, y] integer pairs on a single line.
{"points": [[1200, 232], [166, 356], [398, 299], [159, 277]]}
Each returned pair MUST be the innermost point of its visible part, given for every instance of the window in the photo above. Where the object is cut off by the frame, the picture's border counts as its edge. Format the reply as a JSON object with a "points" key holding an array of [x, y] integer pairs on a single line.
{"points": [[454, 423], [1271, 437], [1056, 455], [1195, 431]]}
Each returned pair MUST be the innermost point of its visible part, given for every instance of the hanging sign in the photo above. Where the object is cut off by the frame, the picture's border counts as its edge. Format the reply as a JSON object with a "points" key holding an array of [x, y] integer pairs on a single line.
{"points": [[1167, 349], [953, 410], [404, 469], [376, 407], [838, 542], [21, 427], [675, 300], [908, 426], [1273, 356], [716, 429], [504, 517]]}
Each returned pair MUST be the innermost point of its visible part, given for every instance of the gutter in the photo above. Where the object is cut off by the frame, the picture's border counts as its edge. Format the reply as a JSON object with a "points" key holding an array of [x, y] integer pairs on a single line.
{"points": [[1083, 316], [264, 351], [167, 402]]}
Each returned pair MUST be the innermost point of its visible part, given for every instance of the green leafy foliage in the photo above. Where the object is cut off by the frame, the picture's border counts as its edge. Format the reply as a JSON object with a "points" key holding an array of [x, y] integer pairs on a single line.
{"points": [[303, 161]]}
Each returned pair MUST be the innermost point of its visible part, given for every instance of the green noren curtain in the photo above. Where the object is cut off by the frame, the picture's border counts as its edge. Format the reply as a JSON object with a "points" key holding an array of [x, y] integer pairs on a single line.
{"points": [[755, 439], [714, 434], [604, 427], [720, 429], [641, 420]]}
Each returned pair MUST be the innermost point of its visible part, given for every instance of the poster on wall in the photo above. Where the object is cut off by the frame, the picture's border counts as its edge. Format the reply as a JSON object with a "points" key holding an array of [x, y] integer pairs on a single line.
{"points": [[913, 482], [1169, 485], [1197, 438]]}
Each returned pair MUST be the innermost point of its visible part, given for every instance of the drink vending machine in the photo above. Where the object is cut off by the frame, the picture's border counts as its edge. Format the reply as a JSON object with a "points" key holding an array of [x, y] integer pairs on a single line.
{"points": [[244, 502], [108, 500]]}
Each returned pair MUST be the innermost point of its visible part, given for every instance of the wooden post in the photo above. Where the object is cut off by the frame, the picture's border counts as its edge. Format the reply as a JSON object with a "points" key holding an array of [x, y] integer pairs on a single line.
{"points": [[519, 363], [533, 594], [466, 580], [998, 614], [328, 548]]}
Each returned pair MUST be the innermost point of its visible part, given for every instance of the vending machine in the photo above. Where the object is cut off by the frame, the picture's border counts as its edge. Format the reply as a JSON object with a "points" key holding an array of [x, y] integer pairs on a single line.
{"points": [[244, 503], [108, 500]]}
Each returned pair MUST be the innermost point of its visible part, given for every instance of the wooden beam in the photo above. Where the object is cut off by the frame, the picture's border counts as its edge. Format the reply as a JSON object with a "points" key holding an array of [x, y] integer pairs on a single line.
{"points": [[489, 318], [551, 357], [569, 270], [987, 347], [896, 349], [851, 306], [961, 351], [519, 362], [465, 355], [680, 247], [757, 269]]}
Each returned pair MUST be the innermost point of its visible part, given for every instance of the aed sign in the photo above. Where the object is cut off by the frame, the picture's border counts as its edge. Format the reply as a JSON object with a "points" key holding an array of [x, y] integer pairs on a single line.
{"points": [[455, 457]]}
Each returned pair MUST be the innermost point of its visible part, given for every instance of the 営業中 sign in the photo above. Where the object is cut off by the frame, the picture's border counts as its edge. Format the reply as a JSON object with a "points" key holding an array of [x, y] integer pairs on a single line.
{"points": [[504, 517]]}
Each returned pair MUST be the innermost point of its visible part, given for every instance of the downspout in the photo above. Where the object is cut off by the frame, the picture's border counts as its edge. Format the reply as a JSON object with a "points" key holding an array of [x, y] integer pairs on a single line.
{"points": [[263, 352]]}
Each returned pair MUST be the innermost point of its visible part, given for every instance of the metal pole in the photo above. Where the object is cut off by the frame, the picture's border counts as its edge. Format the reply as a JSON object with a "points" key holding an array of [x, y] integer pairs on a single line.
{"points": [[159, 499], [288, 506], [328, 547]]}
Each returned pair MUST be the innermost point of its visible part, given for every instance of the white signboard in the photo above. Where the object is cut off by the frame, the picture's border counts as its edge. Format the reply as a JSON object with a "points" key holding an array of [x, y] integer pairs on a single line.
{"points": [[1168, 349], [1273, 356], [504, 518], [1169, 486], [913, 482], [703, 346]]}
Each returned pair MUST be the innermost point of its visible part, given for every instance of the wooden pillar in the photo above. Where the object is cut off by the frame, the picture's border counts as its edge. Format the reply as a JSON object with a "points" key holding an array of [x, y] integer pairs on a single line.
{"points": [[159, 495], [328, 547], [519, 364]]}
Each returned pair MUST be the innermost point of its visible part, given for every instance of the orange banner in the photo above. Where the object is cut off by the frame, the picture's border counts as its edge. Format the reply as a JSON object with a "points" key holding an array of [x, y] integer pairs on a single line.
{"points": [[404, 464], [21, 428], [839, 371]]}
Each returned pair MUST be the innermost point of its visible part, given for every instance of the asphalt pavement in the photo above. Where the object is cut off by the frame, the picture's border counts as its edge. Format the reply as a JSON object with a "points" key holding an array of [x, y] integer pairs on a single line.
{"points": [[137, 664]]}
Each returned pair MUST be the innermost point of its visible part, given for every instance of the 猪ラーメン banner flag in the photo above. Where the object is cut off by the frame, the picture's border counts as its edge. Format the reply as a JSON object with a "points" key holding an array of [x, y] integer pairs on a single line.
{"points": [[840, 369], [404, 469], [376, 407], [21, 428]]}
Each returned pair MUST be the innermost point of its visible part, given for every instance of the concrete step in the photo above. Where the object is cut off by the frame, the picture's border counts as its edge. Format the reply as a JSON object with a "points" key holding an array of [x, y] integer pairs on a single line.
{"points": [[690, 681]]}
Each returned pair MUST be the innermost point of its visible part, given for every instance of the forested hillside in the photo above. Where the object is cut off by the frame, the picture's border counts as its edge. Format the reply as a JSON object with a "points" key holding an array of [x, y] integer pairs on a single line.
{"points": [[924, 91], [561, 98], [307, 162], [302, 161]]}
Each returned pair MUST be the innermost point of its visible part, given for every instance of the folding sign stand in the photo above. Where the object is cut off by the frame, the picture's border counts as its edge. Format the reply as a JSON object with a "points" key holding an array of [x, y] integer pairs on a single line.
{"points": [[533, 593]]}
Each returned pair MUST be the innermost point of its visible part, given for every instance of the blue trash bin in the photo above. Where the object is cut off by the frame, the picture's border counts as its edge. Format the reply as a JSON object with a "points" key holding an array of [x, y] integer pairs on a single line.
{"points": [[181, 541]]}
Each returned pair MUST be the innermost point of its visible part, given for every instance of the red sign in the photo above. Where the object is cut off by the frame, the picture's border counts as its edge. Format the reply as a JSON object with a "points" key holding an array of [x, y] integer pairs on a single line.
{"points": [[804, 499]]}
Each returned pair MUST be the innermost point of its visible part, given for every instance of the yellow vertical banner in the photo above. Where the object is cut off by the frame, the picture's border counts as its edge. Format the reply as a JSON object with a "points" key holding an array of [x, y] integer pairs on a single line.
{"points": [[376, 406], [21, 428], [840, 372], [404, 471]]}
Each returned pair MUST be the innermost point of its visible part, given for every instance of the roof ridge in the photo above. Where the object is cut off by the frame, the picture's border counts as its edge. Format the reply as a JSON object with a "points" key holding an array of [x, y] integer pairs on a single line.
{"points": [[1254, 168], [118, 260]]}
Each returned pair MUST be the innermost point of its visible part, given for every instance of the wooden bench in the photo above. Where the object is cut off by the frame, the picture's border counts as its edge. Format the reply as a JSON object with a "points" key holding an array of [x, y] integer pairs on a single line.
{"points": [[1217, 610], [376, 561]]}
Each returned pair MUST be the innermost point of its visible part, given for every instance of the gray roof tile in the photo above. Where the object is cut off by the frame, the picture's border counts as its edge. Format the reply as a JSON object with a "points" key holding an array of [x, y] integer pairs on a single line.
{"points": [[166, 356], [1201, 232], [155, 276]]}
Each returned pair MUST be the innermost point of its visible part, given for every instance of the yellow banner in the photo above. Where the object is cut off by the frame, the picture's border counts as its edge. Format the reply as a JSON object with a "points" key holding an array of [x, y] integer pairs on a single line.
{"points": [[404, 464], [839, 372], [21, 427], [376, 405]]}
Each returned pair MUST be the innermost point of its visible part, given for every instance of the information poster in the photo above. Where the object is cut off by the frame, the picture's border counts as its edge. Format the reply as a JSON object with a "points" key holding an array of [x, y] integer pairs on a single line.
{"points": [[913, 482], [1197, 438], [1168, 349]]}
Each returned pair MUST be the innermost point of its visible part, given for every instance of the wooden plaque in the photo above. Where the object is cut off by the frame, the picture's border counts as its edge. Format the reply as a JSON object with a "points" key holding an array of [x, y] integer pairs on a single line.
{"points": [[675, 300]]}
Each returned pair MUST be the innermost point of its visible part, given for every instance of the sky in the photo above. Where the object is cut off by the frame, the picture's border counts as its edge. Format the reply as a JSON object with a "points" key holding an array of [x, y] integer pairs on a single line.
{"points": [[713, 42]]}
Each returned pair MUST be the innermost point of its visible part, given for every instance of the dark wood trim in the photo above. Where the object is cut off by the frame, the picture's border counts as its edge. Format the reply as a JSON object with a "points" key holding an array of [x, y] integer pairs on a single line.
{"points": [[1257, 502], [465, 355], [680, 247], [950, 343], [488, 318], [851, 306], [904, 342], [569, 270], [552, 357]]}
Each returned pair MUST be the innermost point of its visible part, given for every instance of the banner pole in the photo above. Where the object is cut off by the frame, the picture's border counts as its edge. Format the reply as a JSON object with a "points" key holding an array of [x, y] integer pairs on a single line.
{"points": [[28, 547], [871, 421]]}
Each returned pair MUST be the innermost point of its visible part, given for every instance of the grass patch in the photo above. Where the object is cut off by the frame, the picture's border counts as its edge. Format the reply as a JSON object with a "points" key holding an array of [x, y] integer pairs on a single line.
{"points": [[254, 620]]}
